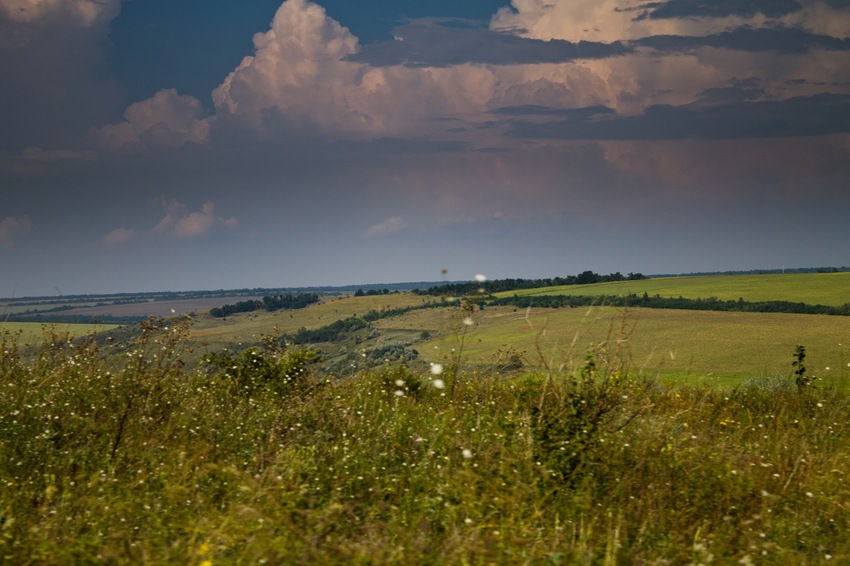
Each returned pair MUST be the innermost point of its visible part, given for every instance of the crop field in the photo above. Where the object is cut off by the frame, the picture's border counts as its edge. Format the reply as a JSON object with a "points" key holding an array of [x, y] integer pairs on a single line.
{"points": [[813, 288]]}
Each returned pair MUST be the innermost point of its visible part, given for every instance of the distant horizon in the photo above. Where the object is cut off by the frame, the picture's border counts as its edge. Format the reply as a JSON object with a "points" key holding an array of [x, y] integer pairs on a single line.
{"points": [[409, 284]]}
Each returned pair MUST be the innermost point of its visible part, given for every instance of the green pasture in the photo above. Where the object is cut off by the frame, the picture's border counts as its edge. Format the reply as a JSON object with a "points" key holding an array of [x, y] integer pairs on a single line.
{"points": [[690, 346], [812, 288], [33, 332]]}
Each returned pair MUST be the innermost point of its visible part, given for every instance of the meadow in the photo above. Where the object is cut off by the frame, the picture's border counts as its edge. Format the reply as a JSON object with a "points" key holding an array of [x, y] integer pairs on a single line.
{"points": [[518, 436], [33, 332], [813, 288], [128, 456]]}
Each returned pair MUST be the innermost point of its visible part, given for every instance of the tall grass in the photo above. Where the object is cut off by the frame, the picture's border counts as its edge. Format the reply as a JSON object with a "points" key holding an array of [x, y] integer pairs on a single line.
{"points": [[129, 456]]}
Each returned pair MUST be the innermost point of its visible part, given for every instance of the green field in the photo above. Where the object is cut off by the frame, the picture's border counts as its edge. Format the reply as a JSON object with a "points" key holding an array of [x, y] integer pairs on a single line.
{"points": [[688, 346], [32, 332], [813, 288], [694, 346], [249, 328], [687, 440], [126, 455]]}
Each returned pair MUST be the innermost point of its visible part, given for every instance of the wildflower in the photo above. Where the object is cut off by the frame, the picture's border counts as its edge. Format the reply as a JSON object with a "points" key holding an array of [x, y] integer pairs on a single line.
{"points": [[467, 453], [399, 382], [468, 321], [439, 384], [436, 369]]}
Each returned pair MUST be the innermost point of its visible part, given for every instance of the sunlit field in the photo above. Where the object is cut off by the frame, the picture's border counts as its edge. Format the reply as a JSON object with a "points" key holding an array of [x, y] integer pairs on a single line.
{"points": [[32, 332], [814, 288], [694, 346]]}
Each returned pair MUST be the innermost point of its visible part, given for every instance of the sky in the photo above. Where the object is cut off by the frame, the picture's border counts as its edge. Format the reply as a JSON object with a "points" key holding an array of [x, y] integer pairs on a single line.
{"points": [[154, 145]]}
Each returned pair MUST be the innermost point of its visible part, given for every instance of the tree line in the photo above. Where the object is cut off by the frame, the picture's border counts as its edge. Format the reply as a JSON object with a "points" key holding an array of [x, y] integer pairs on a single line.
{"points": [[502, 285], [269, 303], [659, 302]]}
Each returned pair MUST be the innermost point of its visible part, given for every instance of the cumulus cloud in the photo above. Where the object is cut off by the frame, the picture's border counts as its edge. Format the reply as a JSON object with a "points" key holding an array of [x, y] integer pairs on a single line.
{"points": [[298, 71], [182, 224], [166, 120], [389, 226], [12, 228]]}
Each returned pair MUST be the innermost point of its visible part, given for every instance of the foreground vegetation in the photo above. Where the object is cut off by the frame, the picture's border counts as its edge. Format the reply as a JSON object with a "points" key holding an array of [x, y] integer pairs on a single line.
{"points": [[123, 454]]}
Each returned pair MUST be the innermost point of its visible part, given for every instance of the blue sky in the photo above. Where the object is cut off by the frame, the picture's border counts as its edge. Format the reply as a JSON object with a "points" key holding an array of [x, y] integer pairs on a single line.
{"points": [[206, 144]]}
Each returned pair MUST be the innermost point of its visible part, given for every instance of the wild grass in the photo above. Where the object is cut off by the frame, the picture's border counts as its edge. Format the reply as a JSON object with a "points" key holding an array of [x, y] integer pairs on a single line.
{"points": [[128, 456]]}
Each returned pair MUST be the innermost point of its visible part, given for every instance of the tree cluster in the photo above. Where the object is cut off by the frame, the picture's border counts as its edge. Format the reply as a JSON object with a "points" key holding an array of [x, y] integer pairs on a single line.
{"points": [[502, 285], [659, 302], [269, 303]]}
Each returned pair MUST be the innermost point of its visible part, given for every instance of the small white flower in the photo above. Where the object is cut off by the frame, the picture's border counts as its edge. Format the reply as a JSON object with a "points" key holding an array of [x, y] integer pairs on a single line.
{"points": [[399, 393], [467, 453], [438, 383], [468, 321], [809, 494], [436, 369], [399, 382]]}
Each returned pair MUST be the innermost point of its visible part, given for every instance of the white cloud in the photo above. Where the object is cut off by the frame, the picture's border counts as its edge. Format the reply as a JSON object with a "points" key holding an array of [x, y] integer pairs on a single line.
{"points": [[166, 120], [11, 228], [388, 226], [603, 20], [297, 70], [178, 222]]}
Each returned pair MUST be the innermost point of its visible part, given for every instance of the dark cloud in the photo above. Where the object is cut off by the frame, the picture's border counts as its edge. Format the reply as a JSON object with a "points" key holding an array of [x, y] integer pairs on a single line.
{"points": [[822, 114], [55, 83], [719, 8], [445, 42], [782, 40]]}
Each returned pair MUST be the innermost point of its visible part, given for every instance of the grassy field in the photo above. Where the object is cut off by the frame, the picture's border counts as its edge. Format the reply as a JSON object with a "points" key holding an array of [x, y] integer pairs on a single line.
{"points": [[249, 328], [33, 332], [690, 346], [813, 288], [131, 457]]}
